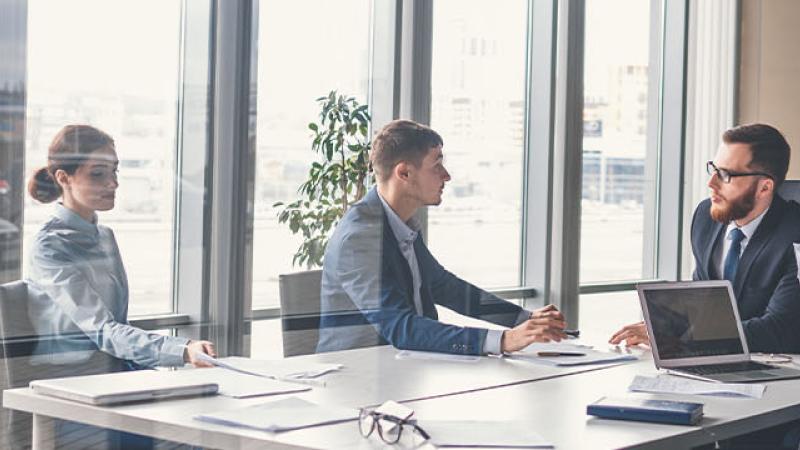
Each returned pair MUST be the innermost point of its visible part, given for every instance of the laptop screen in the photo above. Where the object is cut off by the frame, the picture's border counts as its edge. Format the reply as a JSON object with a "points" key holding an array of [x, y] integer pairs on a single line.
{"points": [[693, 322]]}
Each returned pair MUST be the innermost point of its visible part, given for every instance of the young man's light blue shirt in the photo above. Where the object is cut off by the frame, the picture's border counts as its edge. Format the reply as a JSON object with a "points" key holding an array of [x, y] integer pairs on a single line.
{"points": [[76, 264], [406, 234]]}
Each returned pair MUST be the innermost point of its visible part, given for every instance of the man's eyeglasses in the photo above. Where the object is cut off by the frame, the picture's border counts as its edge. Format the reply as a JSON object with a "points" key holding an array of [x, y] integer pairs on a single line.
{"points": [[390, 428], [725, 175]]}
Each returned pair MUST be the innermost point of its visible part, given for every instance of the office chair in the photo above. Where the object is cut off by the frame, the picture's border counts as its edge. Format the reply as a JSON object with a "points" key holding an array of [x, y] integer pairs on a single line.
{"points": [[790, 190], [21, 343], [300, 311]]}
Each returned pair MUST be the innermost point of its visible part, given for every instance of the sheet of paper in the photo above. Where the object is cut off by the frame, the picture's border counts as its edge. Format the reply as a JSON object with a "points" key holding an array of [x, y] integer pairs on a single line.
{"points": [[671, 384], [240, 385], [590, 356], [433, 356], [563, 346], [392, 408], [465, 433], [281, 415], [285, 370]]}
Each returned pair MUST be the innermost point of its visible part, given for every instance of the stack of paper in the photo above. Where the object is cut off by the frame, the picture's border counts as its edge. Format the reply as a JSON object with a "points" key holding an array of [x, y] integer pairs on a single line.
{"points": [[506, 434], [568, 354], [669, 384], [282, 415]]}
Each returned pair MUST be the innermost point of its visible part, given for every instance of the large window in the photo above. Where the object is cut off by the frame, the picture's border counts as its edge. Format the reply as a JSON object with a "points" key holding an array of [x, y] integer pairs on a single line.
{"points": [[96, 62], [124, 67], [477, 105], [618, 167], [305, 50]]}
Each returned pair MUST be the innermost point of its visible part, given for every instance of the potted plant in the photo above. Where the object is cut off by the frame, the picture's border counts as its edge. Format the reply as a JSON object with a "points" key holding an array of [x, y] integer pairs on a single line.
{"points": [[337, 178]]}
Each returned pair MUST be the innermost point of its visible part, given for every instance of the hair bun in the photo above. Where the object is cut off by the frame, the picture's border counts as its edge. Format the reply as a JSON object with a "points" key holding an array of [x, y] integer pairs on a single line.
{"points": [[43, 187]]}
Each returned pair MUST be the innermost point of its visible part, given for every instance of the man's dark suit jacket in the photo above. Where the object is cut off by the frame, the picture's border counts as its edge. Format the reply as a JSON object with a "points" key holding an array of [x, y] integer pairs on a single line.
{"points": [[766, 285], [367, 292]]}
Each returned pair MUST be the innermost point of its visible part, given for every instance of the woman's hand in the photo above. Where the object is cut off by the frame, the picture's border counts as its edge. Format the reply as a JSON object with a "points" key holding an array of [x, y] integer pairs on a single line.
{"points": [[194, 348]]}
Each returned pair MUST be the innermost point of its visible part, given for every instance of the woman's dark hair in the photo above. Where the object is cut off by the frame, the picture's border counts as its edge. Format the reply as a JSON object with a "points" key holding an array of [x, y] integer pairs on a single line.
{"points": [[71, 147]]}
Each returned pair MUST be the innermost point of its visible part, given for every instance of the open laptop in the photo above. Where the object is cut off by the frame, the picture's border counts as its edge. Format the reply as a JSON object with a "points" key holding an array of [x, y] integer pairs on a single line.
{"points": [[124, 387], [695, 331]]}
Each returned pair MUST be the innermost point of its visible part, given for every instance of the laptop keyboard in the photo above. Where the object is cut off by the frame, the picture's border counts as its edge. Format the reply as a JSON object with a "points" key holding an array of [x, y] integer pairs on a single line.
{"points": [[713, 369]]}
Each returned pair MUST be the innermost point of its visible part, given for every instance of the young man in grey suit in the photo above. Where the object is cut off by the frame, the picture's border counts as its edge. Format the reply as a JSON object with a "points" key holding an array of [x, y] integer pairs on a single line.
{"points": [[744, 233], [380, 284]]}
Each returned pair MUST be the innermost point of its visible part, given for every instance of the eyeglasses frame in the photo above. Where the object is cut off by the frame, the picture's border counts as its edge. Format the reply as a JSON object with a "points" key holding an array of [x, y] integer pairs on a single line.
{"points": [[377, 417], [712, 169]]}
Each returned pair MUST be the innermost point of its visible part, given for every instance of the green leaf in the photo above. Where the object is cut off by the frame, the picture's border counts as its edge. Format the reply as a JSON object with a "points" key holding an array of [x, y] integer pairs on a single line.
{"points": [[341, 145]]}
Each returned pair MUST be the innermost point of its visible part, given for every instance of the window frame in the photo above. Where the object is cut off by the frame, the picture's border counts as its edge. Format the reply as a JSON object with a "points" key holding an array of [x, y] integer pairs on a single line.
{"points": [[212, 279]]}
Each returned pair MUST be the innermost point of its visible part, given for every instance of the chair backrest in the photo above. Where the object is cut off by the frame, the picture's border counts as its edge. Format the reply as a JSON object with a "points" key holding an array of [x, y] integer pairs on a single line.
{"points": [[19, 341], [20, 344], [18, 335], [300, 311], [790, 190]]}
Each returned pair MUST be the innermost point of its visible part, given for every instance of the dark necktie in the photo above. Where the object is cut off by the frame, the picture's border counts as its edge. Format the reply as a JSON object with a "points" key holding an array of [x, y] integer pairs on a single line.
{"points": [[732, 259]]}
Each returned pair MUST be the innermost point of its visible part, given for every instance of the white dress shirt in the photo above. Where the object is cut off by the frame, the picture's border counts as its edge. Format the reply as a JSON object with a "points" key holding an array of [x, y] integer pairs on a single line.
{"points": [[721, 251]]}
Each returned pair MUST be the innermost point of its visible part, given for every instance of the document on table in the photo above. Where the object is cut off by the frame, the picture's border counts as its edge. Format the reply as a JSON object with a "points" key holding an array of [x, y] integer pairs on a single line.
{"points": [[284, 370], [562, 346], [240, 385], [433, 356], [587, 354], [671, 384], [482, 434], [281, 415]]}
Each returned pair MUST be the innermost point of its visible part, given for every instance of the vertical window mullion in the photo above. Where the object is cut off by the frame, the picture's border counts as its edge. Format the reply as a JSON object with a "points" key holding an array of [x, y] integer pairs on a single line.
{"points": [[671, 143], [190, 285], [537, 167]]}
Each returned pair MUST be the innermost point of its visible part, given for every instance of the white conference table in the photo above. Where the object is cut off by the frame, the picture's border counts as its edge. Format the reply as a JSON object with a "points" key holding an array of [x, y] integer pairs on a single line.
{"points": [[492, 389], [369, 377], [556, 409]]}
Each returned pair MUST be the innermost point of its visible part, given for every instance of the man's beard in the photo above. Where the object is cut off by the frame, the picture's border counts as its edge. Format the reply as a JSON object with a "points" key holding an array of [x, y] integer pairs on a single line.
{"points": [[735, 209]]}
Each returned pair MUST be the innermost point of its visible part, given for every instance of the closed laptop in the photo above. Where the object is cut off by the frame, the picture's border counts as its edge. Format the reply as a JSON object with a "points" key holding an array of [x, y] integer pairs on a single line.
{"points": [[124, 387]]}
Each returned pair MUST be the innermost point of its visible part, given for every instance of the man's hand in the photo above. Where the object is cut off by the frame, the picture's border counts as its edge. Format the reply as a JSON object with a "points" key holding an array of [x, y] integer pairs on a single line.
{"points": [[549, 311], [193, 348], [633, 334], [545, 325]]}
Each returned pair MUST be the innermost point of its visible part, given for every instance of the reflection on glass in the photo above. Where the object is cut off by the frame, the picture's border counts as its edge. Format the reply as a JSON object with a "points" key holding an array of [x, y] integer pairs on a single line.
{"points": [[84, 66], [615, 188], [478, 106], [329, 50], [12, 136]]}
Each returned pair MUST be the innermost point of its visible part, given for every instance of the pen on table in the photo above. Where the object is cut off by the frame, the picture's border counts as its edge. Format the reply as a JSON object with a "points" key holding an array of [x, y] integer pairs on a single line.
{"points": [[546, 353]]}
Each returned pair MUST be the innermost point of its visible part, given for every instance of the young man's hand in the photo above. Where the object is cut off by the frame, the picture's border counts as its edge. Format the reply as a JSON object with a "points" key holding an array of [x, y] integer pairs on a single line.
{"points": [[633, 334], [545, 325], [549, 311]]}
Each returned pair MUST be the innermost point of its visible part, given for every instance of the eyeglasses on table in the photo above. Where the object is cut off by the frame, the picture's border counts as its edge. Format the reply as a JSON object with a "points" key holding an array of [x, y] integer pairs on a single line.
{"points": [[390, 428]]}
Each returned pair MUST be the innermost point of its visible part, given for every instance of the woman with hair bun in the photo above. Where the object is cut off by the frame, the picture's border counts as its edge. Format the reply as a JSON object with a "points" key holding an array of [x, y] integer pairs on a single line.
{"points": [[77, 264]]}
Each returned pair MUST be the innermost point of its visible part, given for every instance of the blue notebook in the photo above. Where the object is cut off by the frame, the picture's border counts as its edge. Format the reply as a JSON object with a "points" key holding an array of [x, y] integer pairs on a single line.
{"points": [[647, 410]]}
